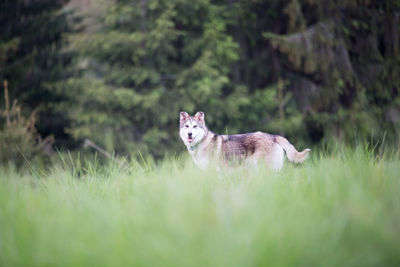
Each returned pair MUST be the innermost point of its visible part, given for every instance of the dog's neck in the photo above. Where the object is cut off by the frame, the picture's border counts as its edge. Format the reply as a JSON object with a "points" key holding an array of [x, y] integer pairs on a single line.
{"points": [[193, 148]]}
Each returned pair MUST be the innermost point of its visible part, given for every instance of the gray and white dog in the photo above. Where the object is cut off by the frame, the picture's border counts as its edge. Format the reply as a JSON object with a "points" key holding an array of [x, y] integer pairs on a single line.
{"points": [[208, 148]]}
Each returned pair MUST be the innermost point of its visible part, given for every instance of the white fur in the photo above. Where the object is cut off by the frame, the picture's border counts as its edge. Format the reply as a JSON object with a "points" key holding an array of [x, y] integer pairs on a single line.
{"points": [[276, 158]]}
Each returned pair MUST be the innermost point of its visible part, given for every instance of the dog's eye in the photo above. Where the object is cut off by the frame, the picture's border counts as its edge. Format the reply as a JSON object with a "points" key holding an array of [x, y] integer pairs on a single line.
{"points": [[195, 126], [187, 126]]}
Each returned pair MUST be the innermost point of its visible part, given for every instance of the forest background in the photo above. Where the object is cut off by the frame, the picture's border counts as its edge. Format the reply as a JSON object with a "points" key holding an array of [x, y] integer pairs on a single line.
{"points": [[119, 72]]}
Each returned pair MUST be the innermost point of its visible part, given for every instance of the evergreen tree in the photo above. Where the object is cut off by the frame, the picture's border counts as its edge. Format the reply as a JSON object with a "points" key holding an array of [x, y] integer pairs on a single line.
{"points": [[151, 60], [316, 71], [340, 63], [33, 56]]}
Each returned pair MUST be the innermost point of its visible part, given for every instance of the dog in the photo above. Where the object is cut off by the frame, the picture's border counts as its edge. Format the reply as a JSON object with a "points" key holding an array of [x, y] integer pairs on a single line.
{"points": [[208, 148]]}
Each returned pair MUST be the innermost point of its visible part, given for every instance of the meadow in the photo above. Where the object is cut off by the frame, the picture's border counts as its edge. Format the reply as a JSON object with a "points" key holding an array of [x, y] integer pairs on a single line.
{"points": [[339, 209]]}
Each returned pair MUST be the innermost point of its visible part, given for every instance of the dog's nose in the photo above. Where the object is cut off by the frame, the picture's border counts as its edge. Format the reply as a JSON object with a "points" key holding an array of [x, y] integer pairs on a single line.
{"points": [[190, 134]]}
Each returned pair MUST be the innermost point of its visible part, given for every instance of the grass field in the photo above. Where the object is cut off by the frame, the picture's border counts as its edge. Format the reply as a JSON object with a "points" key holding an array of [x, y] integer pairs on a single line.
{"points": [[335, 210]]}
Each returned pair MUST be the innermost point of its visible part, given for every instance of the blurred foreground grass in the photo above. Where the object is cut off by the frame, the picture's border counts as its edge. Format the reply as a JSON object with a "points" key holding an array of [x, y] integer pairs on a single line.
{"points": [[336, 210]]}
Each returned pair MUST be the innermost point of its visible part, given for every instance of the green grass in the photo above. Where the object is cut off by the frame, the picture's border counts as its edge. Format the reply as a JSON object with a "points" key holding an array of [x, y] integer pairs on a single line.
{"points": [[335, 210]]}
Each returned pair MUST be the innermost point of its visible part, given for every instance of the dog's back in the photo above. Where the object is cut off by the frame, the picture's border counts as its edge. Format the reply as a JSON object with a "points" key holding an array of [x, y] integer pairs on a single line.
{"points": [[258, 146]]}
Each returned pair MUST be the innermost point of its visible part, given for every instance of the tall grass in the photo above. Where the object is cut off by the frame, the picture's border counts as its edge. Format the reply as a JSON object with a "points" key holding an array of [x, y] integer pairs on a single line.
{"points": [[335, 210]]}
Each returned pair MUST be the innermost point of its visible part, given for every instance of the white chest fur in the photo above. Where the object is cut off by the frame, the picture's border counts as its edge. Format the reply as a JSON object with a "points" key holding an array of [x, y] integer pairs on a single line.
{"points": [[206, 152], [200, 157]]}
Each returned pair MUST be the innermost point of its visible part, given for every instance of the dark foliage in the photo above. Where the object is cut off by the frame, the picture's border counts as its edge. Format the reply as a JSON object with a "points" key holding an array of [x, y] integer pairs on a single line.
{"points": [[315, 71]]}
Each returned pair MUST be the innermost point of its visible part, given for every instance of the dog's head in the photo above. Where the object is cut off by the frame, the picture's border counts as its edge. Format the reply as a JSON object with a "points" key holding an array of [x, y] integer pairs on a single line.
{"points": [[192, 129]]}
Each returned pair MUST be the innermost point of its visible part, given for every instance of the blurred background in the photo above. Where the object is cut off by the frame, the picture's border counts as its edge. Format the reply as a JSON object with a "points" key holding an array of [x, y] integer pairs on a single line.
{"points": [[118, 72]]}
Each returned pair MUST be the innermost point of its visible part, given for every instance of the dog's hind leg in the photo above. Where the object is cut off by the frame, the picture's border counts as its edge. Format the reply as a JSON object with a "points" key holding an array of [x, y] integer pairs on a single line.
{"points": [[275, 157], [252, 161]]}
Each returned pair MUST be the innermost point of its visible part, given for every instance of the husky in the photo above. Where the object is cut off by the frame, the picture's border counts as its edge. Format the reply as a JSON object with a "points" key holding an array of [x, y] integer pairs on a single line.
{"points": [[208, 148]]}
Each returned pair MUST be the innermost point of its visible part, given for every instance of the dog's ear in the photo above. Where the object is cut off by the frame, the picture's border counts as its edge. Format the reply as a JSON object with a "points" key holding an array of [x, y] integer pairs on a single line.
{"points": [[183, 116], [199, 116]]}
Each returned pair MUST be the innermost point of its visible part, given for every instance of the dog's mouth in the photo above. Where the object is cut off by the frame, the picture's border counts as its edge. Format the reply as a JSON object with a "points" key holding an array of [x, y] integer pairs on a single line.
{"points": [[190, 139]]}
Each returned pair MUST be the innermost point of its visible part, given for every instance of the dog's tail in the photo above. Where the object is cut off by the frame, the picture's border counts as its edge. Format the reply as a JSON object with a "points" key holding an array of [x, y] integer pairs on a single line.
{"points": [[291, 152]]}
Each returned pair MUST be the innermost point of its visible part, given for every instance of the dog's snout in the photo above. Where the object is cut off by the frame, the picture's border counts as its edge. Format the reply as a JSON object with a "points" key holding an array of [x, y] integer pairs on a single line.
{"points": [[190, 134]]}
